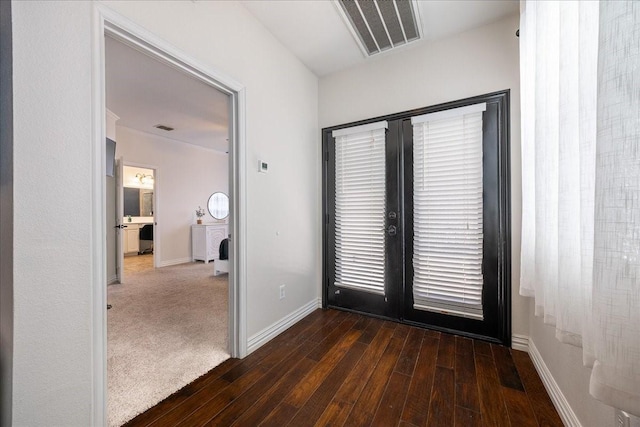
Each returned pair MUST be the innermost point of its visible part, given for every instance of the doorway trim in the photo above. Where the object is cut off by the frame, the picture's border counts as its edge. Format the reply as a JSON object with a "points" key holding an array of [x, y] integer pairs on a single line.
{"points": [[108, 22]]}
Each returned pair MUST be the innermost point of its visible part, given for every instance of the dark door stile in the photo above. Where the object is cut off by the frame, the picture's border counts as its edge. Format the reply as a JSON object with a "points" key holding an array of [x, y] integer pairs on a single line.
{"points": [[397, 304]]}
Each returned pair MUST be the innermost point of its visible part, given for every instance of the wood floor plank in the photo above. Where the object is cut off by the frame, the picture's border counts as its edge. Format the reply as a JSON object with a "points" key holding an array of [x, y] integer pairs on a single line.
{"points": [[274, 395], [446, 351], [416, 409], [401, 331], [442, 397], [357, 379], [298, 396], [481, 348], [335, 414], [272, 366], [211, 407], [492, 406], [543, 408], [519, 408], [252, 394], [330, 340], [181, 411], [366, 405], [391, 325], [329, 327], [290, 338], [366, 370], [464, 346], [392, 402], [407, 360], [507, 371], [432, 333], [279, 416], [467, 418], [323, 322], [370, 331], [466, 382], [362, 323], [319, 401]]}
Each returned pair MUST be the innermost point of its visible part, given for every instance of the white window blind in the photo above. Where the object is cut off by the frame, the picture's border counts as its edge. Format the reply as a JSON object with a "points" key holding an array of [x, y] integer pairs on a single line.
{"points": [[447, 211], [360, 207]]}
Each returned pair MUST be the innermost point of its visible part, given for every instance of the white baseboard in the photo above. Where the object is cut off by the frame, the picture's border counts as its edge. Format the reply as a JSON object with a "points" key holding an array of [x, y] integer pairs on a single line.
{"points": [[111, 280], [176, 262], [569, 417], [520, 342], [256, 341], [319, 302]]}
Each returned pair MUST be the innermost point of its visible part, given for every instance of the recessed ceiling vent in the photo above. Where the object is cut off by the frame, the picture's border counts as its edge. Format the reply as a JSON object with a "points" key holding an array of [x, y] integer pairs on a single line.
{"points": [[380, 25], [163, 127]]}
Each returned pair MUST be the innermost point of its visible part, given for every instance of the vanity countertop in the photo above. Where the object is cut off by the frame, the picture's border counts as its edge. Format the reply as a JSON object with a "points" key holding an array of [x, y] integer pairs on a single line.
{"points": [[138, 220]]}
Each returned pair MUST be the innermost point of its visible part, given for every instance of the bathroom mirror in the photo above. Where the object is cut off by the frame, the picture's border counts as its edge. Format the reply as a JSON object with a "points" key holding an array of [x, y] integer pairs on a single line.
{"points": [[218, 205], [138, 201]]}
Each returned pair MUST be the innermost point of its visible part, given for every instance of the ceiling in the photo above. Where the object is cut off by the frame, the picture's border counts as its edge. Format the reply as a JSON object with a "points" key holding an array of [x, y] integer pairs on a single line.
{"points": [[144, 92], [316, 33]]}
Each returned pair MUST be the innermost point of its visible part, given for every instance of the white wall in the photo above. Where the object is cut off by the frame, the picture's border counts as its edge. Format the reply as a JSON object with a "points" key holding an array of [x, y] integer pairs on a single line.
{"points": [[186, 176], [53, 315], [52, 225], [473, 63]]}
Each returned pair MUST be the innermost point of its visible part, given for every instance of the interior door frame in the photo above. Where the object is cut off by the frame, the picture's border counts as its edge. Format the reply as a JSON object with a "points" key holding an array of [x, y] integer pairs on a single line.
{"points": [[504, 208], [108, 22]]}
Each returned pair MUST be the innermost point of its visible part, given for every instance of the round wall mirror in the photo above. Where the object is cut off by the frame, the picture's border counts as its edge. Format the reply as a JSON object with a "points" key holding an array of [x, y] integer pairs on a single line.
{"points": [[218, 205]]}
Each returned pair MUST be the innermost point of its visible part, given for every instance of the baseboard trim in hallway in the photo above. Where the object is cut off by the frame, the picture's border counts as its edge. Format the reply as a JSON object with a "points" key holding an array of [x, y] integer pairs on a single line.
{"points": [[257, 340]]}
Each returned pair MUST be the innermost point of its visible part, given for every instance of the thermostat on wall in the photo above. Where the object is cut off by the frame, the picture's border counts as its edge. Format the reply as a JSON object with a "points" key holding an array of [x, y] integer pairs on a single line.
{"points": [[263, 166]]}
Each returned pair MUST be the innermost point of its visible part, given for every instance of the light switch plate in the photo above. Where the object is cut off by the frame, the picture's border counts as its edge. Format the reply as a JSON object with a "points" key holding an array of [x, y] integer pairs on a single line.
{"points": [[263, 166]]}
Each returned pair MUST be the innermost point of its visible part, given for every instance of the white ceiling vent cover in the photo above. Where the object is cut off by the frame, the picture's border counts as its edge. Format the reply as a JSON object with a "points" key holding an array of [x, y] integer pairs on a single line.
{"points": [[380, 25]]}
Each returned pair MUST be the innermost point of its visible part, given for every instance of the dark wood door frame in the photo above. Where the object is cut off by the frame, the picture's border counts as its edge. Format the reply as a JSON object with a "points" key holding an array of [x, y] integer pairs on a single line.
{"points": [[500, 101]]}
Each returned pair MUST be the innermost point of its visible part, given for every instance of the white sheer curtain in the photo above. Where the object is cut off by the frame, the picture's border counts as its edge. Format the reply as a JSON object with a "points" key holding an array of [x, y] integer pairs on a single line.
{"points": [[580, 77]]}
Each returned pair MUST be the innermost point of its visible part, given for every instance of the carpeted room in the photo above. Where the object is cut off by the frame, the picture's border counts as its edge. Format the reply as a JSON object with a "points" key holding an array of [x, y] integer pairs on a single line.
{"points": [[166, 327]]}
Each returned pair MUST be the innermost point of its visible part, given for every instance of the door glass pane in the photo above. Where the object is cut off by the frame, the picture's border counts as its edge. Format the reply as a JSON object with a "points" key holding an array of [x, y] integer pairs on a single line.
{"points": [[447, 214], [360, 210]]}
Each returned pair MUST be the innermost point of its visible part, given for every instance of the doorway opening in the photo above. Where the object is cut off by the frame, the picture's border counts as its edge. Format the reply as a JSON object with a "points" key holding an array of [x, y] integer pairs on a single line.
{"points": [[112, 27], [167, 322], [139, 245]]}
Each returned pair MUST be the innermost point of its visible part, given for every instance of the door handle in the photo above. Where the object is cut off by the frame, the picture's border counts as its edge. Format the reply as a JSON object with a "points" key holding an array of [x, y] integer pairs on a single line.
{"points": [[392, 230]]}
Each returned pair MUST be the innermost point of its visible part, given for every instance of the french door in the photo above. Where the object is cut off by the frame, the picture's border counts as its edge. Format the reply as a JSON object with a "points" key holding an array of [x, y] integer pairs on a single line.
{"points": [[416, 223]]}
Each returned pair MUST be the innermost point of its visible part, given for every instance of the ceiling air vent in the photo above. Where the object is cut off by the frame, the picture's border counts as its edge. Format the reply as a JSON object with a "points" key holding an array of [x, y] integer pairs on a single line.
{"points": [[380, 25], [163, 127]]}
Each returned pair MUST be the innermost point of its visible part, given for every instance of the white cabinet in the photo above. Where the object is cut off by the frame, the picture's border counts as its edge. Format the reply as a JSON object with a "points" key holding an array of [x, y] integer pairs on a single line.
{"points": [[205, 241], [131, 238]]}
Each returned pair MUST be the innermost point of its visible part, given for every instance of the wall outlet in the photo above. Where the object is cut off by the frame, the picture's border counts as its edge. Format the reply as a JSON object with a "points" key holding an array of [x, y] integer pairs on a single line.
{"points": [[282, 292], [625, 420], [622, 419]]}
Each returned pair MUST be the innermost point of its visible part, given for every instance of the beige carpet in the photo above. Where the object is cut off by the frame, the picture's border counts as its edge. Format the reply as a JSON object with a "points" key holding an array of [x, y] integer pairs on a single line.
{"points": [[167, 327]]}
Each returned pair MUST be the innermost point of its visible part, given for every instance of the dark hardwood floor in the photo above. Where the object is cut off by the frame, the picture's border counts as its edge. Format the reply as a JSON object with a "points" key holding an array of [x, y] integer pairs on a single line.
{"points": [[341, 369]]}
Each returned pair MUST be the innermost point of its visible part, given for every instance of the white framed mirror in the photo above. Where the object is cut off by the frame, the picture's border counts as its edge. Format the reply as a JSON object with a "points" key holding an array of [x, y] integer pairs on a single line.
{"points": [[218, 205]]}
